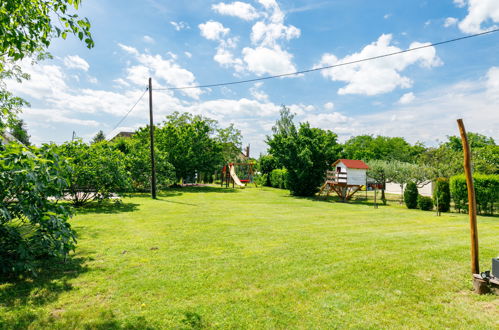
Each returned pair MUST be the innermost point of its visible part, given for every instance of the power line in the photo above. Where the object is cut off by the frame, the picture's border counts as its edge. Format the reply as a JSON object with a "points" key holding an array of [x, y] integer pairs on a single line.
{"points": [[126, 115], [329, 66]]}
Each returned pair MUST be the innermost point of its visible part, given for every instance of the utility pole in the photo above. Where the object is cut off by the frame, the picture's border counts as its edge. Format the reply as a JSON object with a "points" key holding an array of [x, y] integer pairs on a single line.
{"points": [[151, 132], [74, 136]]}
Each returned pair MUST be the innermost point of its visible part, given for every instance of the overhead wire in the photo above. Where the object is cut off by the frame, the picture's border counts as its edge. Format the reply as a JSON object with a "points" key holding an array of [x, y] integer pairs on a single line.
{"points": [[328, 66], [129, 111]]}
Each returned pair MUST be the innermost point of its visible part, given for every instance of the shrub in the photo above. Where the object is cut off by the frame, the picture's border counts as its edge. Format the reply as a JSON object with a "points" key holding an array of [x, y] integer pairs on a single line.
{"points": [[411, 195], [32, 224], [261, 179], [425, 203], [97, 171], [279, 178], [486, 192], [441, 195]]}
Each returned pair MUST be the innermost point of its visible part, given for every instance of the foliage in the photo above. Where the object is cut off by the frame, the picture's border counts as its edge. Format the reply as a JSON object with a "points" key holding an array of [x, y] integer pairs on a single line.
{"points": [[27, 28], [486, 159], [266, 164], [99, 137], [18, 130], [425, 203], [230, 141], [411, 195], [305, 152], [279, 178], [441, 195], [443, 161], [97, 171], [475, 140], [377, 172], [138, 162], [262, 179], [367, 147], [190, 143], [486, 192], [32, 224]]}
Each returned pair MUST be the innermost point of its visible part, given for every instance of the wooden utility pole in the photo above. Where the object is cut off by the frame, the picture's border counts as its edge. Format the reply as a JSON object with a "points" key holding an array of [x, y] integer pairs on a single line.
{"points": [[478, 283], [151, 133]]}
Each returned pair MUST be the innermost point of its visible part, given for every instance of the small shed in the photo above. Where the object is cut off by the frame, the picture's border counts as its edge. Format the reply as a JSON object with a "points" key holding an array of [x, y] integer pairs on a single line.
{"points": [[347, 177], [350, 171]]}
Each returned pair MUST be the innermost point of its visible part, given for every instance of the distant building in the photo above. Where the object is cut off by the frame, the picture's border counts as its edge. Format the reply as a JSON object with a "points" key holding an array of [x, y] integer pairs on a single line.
{"points": [[122, 135], [350, 171]]}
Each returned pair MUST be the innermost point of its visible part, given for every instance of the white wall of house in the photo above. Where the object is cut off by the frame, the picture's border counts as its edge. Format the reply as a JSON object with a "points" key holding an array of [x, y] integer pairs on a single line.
{"points": [[394, 188], [356, 176]]}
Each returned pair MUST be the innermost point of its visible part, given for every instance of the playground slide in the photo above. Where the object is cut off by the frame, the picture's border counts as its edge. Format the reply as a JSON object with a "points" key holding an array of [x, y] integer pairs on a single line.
{"points": [[234, 176]]}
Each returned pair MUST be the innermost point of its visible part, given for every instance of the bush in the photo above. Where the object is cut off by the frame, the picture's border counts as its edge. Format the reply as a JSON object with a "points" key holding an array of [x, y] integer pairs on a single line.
{"points": [[97, 171], [32, 224], [486, 192], [411, 195], [279, 178], [262, 179], [425, 203], [441, 195]]}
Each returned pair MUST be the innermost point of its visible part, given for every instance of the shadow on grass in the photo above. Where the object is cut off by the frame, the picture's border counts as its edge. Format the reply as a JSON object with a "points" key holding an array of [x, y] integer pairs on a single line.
{"points": [[201, 189], [107, 208], [52, 280]]}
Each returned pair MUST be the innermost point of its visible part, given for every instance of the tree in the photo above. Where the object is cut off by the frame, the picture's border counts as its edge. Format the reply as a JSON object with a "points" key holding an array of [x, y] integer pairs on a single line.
{"points": [[19, 131], [377, 171], [266, 164], [441, 195], [305, 152], [138, 162], [442, 162], [99, 137], [27, 28], [475, 140], [191, 143], [411, 195], [367, 147], [32, 224], [230, 142], [97, 171]]}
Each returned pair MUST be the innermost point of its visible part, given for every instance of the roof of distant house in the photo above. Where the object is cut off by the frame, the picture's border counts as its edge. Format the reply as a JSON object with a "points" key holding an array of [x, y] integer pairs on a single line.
{"points": [[352, 163], [122, 134]]}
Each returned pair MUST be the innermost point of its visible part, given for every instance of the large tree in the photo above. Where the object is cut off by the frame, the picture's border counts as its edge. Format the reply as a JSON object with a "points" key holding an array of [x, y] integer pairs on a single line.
{"points": [[191, 143], [306, 152]]}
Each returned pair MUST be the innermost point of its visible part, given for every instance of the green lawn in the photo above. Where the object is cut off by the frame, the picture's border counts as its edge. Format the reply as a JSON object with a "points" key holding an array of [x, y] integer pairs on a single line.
{"points": [[259, 258]]}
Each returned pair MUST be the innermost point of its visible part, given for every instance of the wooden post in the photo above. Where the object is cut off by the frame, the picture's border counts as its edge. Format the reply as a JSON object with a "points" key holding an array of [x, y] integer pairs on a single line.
{"points": [[151, 132], [478, 284]]}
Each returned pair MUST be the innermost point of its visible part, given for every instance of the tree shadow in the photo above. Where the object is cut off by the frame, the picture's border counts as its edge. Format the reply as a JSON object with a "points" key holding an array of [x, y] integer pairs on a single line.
{"points": [[52, 279], [202, 189], [107, 207]]}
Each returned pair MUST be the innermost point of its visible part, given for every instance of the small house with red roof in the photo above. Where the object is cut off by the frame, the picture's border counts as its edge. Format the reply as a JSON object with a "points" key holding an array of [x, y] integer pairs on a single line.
{"points": [[350, 172]]}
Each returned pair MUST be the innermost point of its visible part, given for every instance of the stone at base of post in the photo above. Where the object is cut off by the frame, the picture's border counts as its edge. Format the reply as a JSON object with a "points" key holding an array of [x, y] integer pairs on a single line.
{"points": [[480, 286]]}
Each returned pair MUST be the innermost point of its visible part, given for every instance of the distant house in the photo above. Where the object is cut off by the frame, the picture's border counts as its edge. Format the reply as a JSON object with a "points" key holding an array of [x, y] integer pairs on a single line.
{"points": [[350, 172], [122, 135]]}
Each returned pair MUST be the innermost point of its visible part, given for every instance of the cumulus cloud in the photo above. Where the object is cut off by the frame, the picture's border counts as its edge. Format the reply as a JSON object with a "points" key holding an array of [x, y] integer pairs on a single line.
{"points": [[161, 69], [263, 60], [380, 75], [450, 21], [76, 62], [213, 30], [329, 106], [479, 12], [407, 98], [239, 9]]}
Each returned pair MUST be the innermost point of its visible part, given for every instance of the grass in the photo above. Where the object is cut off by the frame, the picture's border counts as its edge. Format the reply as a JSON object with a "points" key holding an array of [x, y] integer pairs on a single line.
{"points": [[258, 258]]}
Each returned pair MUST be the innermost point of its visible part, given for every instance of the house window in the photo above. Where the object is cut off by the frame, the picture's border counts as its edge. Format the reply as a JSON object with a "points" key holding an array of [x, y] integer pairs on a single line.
{"points": [[338, 169]]}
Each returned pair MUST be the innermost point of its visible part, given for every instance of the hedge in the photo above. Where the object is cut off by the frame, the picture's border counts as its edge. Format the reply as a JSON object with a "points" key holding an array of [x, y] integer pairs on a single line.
{"points": [[279, 178], [425, 203], [411, 195], [486, 192], [441, 195]]}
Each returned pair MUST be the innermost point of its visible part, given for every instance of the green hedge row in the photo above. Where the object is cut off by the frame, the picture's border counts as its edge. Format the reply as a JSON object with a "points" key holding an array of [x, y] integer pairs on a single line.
{"points": [[279, 178], [486, 192]]}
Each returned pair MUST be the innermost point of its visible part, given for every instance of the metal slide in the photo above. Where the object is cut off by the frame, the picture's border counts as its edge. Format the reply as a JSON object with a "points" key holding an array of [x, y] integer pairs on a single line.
{"points": [[234, 176]]}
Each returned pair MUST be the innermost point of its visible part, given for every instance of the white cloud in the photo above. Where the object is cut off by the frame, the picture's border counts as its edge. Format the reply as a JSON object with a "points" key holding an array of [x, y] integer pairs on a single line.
{"points": [[238, 9], [93, 80], [479, 12], [335, 121], [450, 21], [213, 30], [259, 94], [56, 116], [407, 98], [329, 106], [380, 75], [162, 70], [189, 55], [180, 25], [387, 16], [76, 62], [148, 39], [492, 82], [460, 3], [262, 60]]}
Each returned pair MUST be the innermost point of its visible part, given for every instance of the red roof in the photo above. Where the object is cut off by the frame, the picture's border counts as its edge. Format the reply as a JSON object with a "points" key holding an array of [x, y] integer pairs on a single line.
{"points": [[351, 163]]}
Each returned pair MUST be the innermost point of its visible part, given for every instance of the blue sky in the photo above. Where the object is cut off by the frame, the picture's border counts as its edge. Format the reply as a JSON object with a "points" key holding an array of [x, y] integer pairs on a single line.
{"points": [[418, 95]]}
